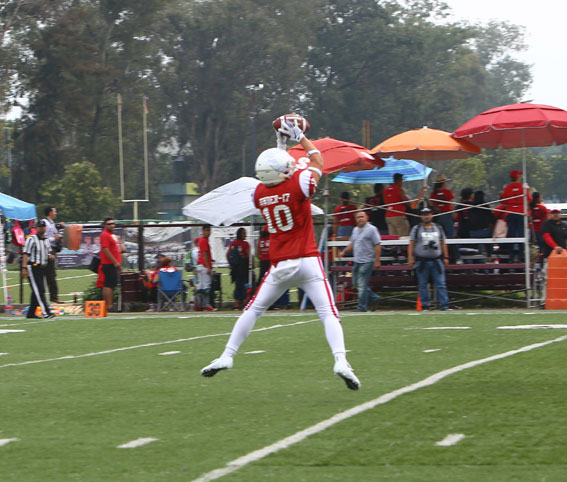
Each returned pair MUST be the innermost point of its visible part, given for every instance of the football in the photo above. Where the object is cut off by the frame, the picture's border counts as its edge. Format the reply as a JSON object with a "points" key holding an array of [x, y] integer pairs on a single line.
{"points": [[295, 119]]}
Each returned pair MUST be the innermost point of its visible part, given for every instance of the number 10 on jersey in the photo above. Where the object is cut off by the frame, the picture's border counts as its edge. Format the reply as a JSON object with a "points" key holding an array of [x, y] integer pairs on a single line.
{"points": [[280, 220]]}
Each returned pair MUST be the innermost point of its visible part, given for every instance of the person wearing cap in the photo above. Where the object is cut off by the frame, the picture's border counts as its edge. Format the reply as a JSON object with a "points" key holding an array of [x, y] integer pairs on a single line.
{"points": [[395, 198], [441, 199], [554, 233], [428, 255], [37, 251], [513, 202], [344, 216]]}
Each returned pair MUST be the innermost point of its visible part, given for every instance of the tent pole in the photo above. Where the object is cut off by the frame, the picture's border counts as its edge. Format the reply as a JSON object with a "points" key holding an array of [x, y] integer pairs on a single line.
{"points": [[526, 233], [3, 263]]}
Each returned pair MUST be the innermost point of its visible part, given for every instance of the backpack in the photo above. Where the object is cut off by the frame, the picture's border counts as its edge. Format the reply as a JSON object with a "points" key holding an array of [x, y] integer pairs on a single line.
{"points": [[95, 263], [234, 257]]}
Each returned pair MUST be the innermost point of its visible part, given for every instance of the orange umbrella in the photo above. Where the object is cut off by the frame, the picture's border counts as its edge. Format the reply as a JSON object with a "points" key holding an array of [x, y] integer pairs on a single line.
{"points": [[425, 145]]}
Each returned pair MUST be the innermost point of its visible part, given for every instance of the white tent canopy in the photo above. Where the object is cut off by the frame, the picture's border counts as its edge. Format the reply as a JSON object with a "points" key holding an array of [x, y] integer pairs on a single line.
{"points": [[229, 203]]}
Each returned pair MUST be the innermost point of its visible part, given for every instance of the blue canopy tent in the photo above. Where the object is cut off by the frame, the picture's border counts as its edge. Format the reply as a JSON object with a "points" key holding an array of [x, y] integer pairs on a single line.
{"points": [[12, 208]]}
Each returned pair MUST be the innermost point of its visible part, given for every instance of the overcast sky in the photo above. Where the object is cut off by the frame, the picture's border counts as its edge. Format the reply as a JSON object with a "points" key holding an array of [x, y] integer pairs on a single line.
{"points": [[545, 36]]}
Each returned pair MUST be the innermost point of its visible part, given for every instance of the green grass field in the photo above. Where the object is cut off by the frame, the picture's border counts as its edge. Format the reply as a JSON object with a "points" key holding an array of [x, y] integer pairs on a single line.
{"points": [[75, 389]]}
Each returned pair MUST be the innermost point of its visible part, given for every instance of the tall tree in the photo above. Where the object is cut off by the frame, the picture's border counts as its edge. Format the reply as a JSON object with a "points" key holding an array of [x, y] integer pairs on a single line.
{"points": [[228, 62], [80, 195]]}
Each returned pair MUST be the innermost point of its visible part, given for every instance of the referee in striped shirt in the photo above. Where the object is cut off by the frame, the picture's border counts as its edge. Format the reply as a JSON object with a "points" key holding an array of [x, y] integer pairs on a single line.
{"points": [[37, 251]]}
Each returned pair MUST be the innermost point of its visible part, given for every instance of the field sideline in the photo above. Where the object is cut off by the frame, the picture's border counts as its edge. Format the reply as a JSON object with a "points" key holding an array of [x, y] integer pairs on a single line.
{"points": [[121, 398]]}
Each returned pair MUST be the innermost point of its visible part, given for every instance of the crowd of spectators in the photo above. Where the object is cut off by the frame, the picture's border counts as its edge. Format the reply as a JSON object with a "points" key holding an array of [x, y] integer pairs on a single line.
{"points": [[394, 213]]}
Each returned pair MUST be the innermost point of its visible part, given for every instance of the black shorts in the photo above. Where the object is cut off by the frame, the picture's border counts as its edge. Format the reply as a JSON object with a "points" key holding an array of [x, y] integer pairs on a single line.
{"points": [[110, 275]]}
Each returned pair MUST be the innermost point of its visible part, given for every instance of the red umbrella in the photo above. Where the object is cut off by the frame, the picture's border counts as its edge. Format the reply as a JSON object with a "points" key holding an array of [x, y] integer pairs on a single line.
{"points": [[516, 125], [340, 155]]}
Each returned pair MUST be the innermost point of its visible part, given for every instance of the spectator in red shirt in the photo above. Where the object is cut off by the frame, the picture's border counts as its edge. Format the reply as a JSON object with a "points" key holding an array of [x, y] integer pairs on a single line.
{"points": [[444, 208], [513, 200], [111, 249], [344, 223], [238, 254], [204, 269], [395, 198], [539, 214]]}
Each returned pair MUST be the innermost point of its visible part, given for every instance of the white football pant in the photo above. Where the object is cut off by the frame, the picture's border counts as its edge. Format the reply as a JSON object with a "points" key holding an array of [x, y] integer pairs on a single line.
{"points": [[306, 273]]}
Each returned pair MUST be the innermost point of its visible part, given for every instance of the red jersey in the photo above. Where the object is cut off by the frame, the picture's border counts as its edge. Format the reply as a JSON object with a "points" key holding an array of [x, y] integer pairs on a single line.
{"points": [[108, 240], [264, 249], [286, 208], [443, 195], [346, 219], [393, 194], [242, 246], [515, 205], [204, 247], [539, 215]]}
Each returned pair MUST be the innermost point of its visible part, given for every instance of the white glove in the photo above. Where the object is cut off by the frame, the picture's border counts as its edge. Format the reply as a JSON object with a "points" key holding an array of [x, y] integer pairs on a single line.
{"points": [[293, 132], [282, 141]]}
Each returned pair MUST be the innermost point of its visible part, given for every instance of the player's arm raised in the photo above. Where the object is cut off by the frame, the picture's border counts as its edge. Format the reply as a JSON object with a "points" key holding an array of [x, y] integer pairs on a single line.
{"points": [[297, 135]]}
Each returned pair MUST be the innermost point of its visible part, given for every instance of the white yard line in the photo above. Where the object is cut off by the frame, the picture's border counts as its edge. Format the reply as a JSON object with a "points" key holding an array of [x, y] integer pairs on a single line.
{"points": [[146, 345], [6, 441], [137, 443], [451, 439], [256, 455], [447, 328], [531, 327]]}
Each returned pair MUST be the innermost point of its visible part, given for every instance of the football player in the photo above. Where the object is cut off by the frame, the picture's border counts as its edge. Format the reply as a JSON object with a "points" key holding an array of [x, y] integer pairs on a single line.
{"points": [[284, 199]]}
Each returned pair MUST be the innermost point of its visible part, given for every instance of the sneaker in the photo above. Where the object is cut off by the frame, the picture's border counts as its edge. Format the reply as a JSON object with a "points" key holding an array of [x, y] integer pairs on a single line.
{"points": [[344, 370], [48, 317], [209, 308], [222, 363]]}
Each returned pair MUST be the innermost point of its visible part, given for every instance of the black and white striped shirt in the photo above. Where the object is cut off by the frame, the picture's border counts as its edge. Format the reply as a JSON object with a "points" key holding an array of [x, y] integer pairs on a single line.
{"points": [[37, 249]]}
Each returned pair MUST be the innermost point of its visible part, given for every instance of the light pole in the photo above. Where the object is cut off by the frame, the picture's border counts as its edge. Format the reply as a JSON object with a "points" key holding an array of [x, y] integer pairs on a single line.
{"points": [[253, 114]]}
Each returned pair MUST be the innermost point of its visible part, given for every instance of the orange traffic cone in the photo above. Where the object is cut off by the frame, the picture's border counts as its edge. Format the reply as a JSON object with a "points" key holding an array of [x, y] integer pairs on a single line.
{"points": [[418, 306]]}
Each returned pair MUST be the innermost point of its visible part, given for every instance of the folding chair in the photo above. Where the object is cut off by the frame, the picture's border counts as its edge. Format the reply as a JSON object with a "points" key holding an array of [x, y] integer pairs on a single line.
{"points": [[171, 291]]}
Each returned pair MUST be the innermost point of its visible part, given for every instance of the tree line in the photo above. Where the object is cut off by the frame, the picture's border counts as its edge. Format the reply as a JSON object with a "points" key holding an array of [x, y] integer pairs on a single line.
{"points": [[216, 73]]}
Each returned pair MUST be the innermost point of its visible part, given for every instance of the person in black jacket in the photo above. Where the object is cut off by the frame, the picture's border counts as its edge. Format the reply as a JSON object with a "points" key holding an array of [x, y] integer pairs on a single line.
{"points": [[481, 222], [377, 215], [554, 233]]}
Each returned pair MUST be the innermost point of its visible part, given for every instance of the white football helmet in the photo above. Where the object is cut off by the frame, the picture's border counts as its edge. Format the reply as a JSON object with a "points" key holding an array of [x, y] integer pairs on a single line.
{"points": [[274, 166]]}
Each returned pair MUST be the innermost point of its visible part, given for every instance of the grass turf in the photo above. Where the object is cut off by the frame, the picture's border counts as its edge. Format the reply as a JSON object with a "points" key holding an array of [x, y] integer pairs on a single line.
{"points": [[70, 415]]}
